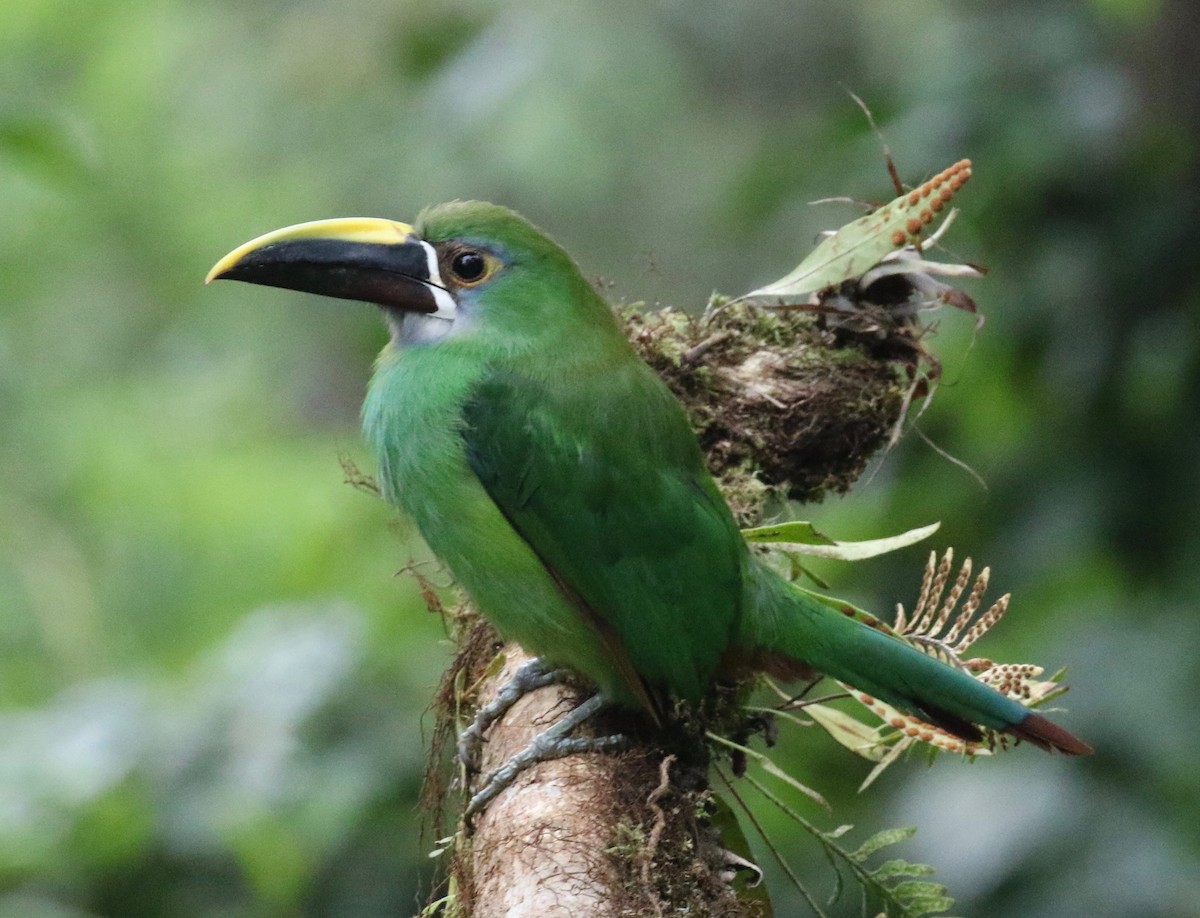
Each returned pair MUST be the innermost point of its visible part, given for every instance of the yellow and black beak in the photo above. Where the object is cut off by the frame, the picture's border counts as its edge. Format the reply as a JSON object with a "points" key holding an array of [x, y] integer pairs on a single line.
{"points": [[356, 258]]}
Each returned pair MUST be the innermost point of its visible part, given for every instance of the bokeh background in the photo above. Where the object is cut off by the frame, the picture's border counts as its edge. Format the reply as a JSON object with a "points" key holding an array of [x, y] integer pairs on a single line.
{"points": [[211, 679]]}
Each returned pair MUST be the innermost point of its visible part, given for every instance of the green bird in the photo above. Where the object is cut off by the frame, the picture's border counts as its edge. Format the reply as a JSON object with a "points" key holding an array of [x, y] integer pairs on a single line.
{"points": [[555, 474]]}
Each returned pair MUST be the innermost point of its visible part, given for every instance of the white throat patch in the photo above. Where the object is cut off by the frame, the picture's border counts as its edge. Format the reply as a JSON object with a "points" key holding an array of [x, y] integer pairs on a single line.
{"points": [[418, 327]]}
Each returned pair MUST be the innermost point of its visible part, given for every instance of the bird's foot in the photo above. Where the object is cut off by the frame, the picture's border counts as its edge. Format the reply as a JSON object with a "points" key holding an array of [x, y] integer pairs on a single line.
{"points": [[552, 743], [529, 677]]}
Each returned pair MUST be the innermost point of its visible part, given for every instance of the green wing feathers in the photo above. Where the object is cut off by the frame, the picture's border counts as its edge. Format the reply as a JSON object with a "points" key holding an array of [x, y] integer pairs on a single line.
{"points": [[599, 472]]}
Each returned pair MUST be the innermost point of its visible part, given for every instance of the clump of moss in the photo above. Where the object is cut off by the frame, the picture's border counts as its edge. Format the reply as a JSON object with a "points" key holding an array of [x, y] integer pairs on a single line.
{"points": [[781, 403]]}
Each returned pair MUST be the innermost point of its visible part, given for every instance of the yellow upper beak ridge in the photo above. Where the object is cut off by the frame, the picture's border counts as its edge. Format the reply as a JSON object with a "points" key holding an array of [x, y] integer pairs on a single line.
{"points": [[345, 229]]}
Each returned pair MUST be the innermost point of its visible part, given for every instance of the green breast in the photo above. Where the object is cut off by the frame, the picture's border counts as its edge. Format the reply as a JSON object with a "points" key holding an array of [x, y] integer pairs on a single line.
{"points": [[413, 417]]}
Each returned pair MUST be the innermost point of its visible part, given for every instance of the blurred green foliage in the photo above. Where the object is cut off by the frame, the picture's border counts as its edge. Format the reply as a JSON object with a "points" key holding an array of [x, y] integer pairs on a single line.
{"points": [[211, 683]]}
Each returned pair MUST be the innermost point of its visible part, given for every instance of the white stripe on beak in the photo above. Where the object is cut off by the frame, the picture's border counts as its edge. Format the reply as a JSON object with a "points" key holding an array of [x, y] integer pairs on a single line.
{"points": [[446, 307]]}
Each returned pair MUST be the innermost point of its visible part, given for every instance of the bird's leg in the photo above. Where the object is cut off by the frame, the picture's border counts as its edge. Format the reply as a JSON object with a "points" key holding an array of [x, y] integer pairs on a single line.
{"points": [[552, 743], [528, 677]]}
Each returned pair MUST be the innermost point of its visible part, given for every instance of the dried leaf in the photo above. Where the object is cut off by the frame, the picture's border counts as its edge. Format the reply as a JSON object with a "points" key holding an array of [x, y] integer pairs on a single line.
{"points": [[851, 732]]}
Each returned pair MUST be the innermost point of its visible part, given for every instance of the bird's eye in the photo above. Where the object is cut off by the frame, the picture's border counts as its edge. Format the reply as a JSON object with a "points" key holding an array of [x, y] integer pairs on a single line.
{"points": [[468, 267]]}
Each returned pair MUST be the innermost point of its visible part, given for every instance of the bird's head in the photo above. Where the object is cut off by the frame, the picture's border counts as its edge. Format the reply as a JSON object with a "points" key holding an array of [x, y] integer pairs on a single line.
{"points": [[465, 269]]}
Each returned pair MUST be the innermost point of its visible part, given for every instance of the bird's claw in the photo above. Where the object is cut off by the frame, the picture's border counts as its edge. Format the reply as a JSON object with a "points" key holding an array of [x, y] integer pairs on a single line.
{"points": [[529, 677], [552, 743]]}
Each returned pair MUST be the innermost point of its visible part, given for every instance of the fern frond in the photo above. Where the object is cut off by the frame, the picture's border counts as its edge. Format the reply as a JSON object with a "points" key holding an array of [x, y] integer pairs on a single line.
{"points": [[946, 630], [890, 884]]}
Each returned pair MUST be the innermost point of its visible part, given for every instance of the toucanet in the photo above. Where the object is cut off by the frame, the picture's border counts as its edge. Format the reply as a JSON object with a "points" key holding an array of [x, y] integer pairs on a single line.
{"points": [[559, 479]]}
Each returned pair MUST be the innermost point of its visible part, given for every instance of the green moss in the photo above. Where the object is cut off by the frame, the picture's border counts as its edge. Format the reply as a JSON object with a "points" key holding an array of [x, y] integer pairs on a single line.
{"points": [[781, 403]]}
